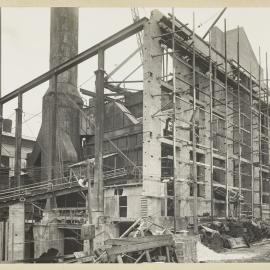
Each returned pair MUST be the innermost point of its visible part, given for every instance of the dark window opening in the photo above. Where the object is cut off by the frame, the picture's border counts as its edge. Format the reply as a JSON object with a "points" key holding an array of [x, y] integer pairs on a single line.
{"points": [[123, 206], [265, 199], [166, 160], [167, 204], [197, 132], [168, 130], [118, 191], [200, 190]]}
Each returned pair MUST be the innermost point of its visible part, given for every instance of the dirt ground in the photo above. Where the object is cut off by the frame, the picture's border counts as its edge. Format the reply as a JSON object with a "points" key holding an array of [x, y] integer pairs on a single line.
{"points": [[258, 252]]}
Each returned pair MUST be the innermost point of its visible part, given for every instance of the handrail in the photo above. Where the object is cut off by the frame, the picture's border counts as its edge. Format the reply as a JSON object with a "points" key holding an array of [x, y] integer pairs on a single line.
{"points": [[56, 184]]}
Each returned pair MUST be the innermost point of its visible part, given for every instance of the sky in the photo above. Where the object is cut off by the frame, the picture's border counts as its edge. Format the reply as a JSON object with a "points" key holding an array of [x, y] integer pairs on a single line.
{"points": [[25, 46]]}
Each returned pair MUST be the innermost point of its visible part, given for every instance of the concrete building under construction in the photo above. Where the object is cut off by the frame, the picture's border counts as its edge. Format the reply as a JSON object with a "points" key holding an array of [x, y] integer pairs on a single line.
{"points": [[190, 144]]}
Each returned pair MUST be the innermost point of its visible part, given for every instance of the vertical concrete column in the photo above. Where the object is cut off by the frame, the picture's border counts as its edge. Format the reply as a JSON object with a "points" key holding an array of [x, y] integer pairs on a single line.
{"points": [[152, 67], [47, 235], [16, 232], [2, 236]]}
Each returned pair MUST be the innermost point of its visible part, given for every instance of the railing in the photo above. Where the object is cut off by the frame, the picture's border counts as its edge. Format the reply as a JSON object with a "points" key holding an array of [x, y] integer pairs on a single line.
{"points": [[51, 186], [71, 215]]}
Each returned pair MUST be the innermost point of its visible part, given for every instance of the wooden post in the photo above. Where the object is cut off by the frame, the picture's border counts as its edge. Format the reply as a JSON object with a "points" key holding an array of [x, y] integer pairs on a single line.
{"points": [[195, 199], [251, 150], [174, 127], [260, 135], [226, 122], [18, 142], [168, 254], [211, 126], [99, 132], [267, 112], [239, 123], [90, 220]]}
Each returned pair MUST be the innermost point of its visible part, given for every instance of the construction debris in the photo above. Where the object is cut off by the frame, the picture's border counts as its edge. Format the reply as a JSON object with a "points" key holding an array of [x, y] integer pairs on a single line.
{"points": [[144, 241], [233, 234]]}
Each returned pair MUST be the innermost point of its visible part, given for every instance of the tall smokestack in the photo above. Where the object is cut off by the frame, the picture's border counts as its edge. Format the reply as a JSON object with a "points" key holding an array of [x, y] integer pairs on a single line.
{"points": [[63, 46]]}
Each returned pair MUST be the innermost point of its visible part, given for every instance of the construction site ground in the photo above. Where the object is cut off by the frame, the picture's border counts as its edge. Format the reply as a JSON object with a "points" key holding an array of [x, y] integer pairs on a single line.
{"points": [[257, 252]]}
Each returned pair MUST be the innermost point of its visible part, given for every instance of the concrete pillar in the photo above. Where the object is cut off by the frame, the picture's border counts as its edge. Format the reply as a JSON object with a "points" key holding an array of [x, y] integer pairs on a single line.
{"points": [[2, 246], [16, 232], [104, 229], [153, 189], [47, 235]]}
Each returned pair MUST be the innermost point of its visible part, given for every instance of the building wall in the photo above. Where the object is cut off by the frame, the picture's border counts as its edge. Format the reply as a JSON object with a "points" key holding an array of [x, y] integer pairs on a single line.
{"points": [[8, 152], [157, 87], [113, 202]]}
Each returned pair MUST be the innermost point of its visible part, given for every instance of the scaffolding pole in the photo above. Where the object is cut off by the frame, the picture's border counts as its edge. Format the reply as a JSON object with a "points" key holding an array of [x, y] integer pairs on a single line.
{"points": [[260, 133], [195, 188], [251, 142], [268, 135], [226, 121], [239, 121], [174, 124], [211, 129]]}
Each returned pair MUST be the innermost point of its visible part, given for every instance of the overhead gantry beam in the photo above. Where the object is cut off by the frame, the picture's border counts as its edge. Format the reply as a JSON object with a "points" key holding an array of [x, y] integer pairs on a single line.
{"points": [[103, 45]]}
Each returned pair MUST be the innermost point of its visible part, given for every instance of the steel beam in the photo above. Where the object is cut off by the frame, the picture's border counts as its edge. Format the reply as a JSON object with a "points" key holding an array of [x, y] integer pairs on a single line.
{"points": [[103, 45], [93, 95], [99, 132], [18, 142]]}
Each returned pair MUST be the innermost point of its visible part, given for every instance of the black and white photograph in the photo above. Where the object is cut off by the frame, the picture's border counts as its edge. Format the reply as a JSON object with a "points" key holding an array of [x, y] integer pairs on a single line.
{"points": [[134, 134]]}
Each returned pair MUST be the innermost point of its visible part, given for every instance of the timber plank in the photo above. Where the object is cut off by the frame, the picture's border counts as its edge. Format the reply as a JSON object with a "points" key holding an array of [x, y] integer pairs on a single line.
{"points": [[137, 240], [137, 247]]}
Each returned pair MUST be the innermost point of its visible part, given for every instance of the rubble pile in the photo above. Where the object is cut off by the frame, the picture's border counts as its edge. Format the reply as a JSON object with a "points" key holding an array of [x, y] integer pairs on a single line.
{"points": [[233, 233], [144, 241]]}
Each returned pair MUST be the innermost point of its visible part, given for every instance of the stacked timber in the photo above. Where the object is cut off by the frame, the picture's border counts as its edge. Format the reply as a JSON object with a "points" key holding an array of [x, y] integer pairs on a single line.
{"points": [[145, 241]]}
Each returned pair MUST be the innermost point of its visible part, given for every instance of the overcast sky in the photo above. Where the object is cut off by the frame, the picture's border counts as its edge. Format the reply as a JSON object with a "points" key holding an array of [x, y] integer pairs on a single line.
{"points": [[25, 45]]}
